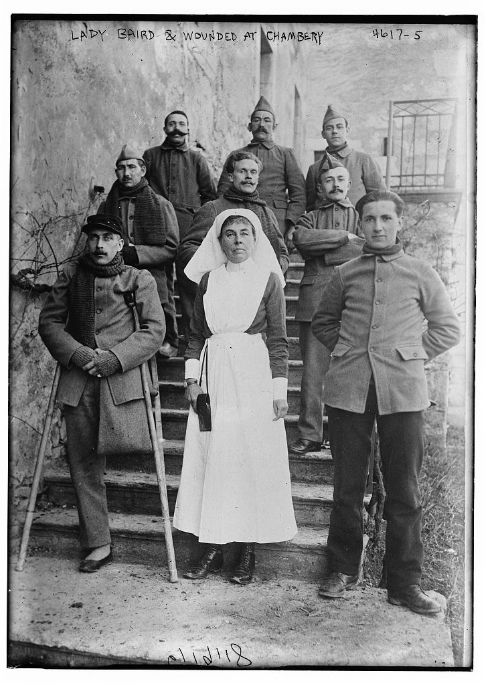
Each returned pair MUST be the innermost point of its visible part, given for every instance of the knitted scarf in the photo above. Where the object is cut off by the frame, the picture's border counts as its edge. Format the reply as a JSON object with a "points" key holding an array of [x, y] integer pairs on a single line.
{"points": [[260, 208], [81, 297], [336, 150], [149, 223]]}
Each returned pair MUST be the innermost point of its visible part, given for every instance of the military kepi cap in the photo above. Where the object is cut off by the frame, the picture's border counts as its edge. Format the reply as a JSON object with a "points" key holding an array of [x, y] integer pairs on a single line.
{"points": [[129, 152], [263, 105], [332, 113], [103, 220]]}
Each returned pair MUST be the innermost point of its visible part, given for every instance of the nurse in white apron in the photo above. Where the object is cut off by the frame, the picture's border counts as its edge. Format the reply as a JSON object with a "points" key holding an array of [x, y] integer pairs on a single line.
{"points": [[235, 483]]}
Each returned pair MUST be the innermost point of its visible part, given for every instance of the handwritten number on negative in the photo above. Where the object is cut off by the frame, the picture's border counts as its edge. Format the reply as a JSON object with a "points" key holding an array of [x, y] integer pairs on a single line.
{"points": [[394, 34]]}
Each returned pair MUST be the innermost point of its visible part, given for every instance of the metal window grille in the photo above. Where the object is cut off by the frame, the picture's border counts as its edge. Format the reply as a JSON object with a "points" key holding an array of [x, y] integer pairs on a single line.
{"points": [[421, 145]]}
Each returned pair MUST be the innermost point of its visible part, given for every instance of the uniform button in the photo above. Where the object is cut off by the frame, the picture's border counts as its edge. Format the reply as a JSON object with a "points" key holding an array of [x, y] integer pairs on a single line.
{"points": [[337, 224], [379, 260], [374, 327], [415, 355], [98, 310], [372, 348], [336, 208], [379, 279], [131, 216], [131, 235], [97, 332], [98, 289], [377, 303]]}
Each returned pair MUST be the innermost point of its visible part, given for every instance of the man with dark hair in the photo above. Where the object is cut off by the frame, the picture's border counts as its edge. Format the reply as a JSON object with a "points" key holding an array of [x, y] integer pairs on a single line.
{"points": [[371, 319], [182, 176], [242, 193], [325, 238], [282, 184], [178, 173], [365, 173], [149, 228], [89, 328]]}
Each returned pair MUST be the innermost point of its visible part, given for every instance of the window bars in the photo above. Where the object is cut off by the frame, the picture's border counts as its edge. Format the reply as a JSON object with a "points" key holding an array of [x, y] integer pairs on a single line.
{"points": [[421, 145]]}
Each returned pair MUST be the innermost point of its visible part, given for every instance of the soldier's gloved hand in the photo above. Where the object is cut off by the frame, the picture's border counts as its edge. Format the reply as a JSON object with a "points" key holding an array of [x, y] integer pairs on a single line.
{"points": [[104, 364], [82, 356], [130, 257]]}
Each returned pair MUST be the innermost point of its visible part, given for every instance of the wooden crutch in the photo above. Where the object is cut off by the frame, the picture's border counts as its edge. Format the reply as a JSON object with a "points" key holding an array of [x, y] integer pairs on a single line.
{"points": [[156, 437], [37, 472]]}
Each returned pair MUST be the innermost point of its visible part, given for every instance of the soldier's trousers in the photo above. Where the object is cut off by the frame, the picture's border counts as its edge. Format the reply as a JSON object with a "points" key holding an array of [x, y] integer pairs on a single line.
{"points": [[316, 359], [402, 446], [87, 467]]}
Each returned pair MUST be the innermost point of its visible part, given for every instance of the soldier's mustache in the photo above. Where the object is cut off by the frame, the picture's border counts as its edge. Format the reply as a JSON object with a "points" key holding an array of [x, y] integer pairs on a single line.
{"points": [[176, 132]]}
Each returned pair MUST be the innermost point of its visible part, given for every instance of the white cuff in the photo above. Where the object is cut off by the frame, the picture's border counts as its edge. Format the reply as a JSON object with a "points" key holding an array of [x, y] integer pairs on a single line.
{"points": [[280, 386], [192, 368]]}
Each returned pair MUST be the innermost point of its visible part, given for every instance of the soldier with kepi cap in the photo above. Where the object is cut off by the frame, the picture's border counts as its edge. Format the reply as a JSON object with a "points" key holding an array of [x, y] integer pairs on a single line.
{"points": [[89, 328]]}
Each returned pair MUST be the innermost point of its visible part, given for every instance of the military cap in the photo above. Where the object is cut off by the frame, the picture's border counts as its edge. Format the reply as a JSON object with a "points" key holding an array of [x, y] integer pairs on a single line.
{"points": [[104, 220], [129, 152], [263, 105], [327, 162], [331, 113]]}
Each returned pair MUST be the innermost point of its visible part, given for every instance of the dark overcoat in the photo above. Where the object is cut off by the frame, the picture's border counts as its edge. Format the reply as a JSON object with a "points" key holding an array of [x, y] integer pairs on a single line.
{"points": [[114, 331]]}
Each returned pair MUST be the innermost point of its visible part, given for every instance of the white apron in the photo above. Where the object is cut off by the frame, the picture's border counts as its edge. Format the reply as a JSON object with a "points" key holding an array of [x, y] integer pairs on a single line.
{"points": [[235, 483]]}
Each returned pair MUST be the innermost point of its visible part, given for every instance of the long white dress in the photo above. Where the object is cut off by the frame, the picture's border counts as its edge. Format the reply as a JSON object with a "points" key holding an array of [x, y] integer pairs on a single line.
{"points": [[235, 483]]}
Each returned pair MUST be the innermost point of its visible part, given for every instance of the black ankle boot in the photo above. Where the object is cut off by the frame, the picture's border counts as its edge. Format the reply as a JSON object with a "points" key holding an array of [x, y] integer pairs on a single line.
{"points": [[243, 572], [211, 561]]}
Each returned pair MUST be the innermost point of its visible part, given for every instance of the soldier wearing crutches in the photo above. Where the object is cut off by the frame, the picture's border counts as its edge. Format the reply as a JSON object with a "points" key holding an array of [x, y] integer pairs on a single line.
{"points": [[88, 326]]}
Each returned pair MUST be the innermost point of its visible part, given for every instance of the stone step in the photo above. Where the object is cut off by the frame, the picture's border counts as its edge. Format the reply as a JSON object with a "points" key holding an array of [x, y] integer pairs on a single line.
{"points": [[292, 286], [174, 424], [291, 304], [139, 539], [314, 468], [172, 395], [292, 326], [132, 492], [173, 369], [295, 269]]}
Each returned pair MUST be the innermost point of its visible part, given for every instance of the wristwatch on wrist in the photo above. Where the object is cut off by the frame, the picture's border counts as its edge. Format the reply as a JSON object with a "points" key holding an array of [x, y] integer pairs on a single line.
{"points": [[188, 382]]}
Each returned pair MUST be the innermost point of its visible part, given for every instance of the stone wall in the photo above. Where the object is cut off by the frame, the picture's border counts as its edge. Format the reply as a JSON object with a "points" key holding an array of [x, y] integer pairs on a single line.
{"points": [[428, 234]]}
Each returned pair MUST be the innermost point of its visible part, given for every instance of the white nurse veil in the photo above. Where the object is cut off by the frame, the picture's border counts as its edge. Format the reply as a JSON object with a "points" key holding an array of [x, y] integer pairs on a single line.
{"points": [[210, 256]]}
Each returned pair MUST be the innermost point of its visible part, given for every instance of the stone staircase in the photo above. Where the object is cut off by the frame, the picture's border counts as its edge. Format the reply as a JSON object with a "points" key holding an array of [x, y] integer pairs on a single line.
{"points": [[130, 616], [133, 497]]}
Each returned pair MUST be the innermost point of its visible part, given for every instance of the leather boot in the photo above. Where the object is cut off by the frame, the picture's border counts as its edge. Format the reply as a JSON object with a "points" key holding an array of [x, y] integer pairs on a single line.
{"points": [[243, 572], [211, 561], [414, 598]]}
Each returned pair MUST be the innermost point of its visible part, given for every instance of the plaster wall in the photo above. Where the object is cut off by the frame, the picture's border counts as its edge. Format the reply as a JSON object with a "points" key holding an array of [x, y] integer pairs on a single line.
{"points": [[79, 92], [359, 74]]}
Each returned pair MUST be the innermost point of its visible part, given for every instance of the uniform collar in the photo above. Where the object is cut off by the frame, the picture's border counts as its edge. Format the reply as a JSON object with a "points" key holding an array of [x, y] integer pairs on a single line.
{"points": [[344, 202], [268, 145], [341, 153], [167, 146]]}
